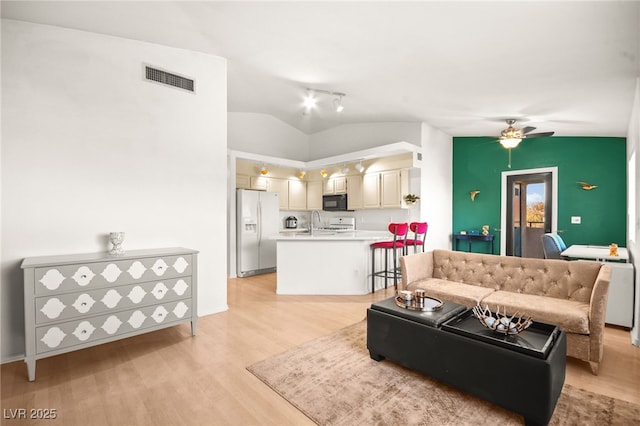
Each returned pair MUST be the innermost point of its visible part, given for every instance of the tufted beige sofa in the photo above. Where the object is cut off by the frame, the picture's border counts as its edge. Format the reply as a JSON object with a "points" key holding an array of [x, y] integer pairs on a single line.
{"points": [[572, 295]]}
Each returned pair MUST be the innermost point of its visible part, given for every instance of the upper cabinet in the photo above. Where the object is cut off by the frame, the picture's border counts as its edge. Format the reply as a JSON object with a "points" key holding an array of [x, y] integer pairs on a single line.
{"points": [[378, 183], [297, 195], [371, 191], [281, 186], [355, 200], [335, 185], [385, 190], [314, 194], [393, 185]]}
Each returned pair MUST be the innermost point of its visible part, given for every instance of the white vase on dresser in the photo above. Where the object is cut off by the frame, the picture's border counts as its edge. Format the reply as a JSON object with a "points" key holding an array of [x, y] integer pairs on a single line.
{"points": [[76, 301]]}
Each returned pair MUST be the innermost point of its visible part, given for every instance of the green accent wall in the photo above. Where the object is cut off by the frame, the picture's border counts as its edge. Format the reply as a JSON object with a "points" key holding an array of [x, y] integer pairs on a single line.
{"points": [[478, 163]]}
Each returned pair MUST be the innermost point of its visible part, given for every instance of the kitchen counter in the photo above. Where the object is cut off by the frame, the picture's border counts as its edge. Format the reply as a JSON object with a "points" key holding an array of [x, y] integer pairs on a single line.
{"points": [[327, 262], [303, 235]]}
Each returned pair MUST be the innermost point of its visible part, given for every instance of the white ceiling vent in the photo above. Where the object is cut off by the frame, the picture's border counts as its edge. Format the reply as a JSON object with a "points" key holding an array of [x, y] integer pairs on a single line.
{"points": [[169, 79]]}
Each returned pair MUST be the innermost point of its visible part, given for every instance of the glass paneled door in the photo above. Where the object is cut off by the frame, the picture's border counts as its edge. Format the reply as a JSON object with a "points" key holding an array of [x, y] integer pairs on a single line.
{"points": [[529, 207]]}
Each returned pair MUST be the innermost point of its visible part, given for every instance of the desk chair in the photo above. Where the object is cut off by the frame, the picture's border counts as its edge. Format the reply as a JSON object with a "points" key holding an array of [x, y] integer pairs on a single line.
{"points": [[552, 246]]}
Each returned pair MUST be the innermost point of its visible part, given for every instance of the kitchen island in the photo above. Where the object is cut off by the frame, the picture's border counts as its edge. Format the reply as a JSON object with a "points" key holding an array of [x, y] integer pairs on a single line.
{"points": [[327, 262]]}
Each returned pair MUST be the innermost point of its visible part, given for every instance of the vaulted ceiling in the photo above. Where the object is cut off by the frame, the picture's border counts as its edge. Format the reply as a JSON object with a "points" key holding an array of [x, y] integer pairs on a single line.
{"points": [[462, 67]]}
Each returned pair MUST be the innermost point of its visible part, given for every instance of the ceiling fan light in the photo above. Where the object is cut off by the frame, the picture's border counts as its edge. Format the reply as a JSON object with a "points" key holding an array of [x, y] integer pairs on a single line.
{"points": [[510, 143]]}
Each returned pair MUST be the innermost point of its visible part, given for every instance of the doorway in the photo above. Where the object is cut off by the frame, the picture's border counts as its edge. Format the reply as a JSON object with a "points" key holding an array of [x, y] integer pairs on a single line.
{"points": [[529, 209]]}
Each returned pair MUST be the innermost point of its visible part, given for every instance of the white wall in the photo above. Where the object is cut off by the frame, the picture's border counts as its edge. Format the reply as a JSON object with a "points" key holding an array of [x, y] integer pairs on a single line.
{"points": [[89, 147], [356, 137], [633, 146], [436, 186], [266, 135]]}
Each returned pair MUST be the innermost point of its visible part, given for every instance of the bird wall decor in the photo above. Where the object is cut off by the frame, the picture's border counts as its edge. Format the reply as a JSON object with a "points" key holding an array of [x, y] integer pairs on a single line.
{"points": [[587, 186], [473, 194]]}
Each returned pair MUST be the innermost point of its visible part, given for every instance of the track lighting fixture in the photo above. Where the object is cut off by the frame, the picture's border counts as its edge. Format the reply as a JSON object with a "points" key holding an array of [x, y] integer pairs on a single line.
{"points": [[323, 173], [302, 174], [360, 167], [310, 100], [345, 169], [264, 171]]}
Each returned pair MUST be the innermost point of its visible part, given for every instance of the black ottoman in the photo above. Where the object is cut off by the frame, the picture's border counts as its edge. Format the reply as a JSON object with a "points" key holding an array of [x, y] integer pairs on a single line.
{"points": [[523, 373]]}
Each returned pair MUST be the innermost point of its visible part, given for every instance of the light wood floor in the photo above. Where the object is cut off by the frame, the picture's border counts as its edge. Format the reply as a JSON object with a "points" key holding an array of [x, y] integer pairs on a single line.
{"points": [[169, 378]]}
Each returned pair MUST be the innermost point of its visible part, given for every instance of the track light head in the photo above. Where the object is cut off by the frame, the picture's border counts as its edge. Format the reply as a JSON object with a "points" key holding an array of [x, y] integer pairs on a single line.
{"points": [[309, 100], [360, 167], [337, 103]]}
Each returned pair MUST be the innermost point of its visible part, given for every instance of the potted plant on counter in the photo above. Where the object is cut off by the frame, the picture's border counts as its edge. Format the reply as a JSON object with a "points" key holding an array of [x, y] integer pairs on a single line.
{"points": [[411, 199]]}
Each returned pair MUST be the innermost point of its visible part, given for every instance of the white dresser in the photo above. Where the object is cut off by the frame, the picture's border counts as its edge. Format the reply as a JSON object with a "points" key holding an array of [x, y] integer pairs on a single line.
{"points": [[76, 301]]}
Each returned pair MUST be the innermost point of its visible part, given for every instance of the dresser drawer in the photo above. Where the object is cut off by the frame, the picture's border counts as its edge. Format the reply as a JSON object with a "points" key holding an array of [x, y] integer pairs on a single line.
{"points": [[93, 302], [93, 329], [72, 278]]}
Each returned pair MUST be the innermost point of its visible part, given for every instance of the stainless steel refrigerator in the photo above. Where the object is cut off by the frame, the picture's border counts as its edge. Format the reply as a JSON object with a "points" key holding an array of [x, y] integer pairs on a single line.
{"points": [[257, 221]]}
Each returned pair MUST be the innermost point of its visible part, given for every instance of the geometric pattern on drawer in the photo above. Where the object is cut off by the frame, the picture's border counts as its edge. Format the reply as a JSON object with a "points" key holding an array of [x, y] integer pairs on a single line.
{"points": [[67, 278], [81, 331], [93, 302]]}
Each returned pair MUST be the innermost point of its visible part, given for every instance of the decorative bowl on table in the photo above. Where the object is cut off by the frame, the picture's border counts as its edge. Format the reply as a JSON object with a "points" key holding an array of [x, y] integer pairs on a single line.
{"points": [[501, 322]]}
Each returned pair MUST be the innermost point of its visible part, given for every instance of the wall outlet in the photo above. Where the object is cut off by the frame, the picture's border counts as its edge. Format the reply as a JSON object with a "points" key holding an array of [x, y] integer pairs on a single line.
{"points": [[576, 220]]}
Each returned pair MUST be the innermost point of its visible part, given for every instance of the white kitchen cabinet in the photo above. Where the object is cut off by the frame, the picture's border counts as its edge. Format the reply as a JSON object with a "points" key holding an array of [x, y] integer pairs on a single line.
{"points": [[336, 185], [259, 183], [297, 195], [385, 190], [371, 191], [394, 184], [243, 182], [314, 195], [281, 186], [355, 199]]}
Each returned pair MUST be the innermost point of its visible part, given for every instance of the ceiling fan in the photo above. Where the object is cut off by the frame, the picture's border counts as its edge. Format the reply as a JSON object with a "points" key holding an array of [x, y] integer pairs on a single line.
{"points": [[511, 137]]}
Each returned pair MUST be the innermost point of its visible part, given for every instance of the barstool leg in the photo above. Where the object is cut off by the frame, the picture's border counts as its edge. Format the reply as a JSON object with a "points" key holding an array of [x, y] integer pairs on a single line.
{"points": [[386, 267], [395, 270], [373, 270]]}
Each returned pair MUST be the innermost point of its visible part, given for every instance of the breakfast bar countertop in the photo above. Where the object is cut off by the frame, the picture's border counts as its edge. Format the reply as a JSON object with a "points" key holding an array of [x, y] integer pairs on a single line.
{"points": [[324, 235]]}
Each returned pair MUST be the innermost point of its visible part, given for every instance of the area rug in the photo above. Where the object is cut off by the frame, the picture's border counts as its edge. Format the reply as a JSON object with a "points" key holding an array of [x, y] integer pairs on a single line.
{"points": [[333, 381]]}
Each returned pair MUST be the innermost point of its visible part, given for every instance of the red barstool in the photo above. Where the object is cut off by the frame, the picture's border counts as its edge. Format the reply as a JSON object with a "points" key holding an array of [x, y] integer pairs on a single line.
{"points": [[419, 230], [399, 231]]}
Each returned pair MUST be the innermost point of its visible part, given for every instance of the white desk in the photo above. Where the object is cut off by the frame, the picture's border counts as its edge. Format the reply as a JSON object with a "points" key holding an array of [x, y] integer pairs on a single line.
{"points": [[600, 253], [620, 302]]}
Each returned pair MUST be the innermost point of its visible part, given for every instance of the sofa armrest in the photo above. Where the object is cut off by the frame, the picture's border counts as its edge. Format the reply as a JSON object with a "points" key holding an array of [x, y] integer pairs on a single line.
{"points": [[598, 312], [415, 267]]}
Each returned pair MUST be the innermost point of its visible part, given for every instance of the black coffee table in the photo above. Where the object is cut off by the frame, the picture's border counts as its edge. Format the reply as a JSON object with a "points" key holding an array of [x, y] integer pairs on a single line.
{"points": [[523, 373]]}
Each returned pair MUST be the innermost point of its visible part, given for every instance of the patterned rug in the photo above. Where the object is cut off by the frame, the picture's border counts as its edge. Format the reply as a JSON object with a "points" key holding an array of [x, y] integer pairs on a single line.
{"points": [[334, 382]]}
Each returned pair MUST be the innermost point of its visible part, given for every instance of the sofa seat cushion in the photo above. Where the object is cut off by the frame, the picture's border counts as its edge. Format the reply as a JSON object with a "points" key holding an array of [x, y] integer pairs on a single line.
{"points": [[570, 316], [465, 294]]}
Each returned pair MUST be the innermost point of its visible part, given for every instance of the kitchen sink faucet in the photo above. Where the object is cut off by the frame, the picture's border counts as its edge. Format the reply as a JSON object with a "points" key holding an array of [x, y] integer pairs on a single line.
{"points": [[316, 213]]}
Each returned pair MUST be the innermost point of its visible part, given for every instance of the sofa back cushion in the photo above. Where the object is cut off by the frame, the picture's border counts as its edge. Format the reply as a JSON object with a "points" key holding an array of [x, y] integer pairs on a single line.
{"points": [[572, 280]]}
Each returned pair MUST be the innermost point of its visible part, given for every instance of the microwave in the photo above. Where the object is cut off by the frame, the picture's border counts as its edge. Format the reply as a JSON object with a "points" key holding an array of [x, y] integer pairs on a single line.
{"points": [[334, 203]]}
